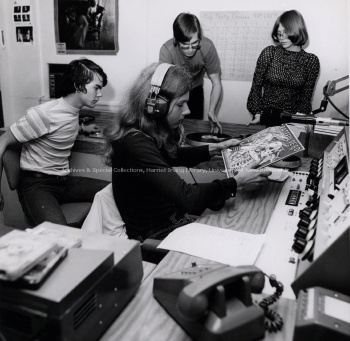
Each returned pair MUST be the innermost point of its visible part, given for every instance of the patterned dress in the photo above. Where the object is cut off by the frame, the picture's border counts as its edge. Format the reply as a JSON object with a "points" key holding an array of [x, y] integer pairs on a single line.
{"points": [[283, 79]]}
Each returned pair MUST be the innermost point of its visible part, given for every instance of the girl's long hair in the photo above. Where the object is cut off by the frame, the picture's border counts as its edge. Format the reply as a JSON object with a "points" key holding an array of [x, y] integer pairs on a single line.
{"points": [[131, 117]]}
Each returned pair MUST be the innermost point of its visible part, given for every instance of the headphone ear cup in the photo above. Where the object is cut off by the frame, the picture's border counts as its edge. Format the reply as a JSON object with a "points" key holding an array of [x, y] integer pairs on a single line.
{"points": [[157, 107]]}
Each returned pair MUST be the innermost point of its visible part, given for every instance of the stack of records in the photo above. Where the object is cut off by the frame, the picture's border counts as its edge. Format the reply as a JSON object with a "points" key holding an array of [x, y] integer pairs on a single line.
{"points": [[328, 130], [27, 258]]}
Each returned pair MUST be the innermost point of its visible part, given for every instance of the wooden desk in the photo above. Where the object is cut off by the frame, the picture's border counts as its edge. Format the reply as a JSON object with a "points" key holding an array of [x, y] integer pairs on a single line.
{"points": [[145, 319]]}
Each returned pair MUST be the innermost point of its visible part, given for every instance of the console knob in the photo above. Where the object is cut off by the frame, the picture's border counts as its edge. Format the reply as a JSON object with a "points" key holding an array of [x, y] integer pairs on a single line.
{"points": [[315, 169], [304, 222], [302, 232], [312, 202], [314, 186], [305, 212], [316, 161], [299, 245]]}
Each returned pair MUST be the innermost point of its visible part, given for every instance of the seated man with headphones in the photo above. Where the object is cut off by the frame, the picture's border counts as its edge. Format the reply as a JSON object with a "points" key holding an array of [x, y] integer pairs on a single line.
{"points": [[143, 146]]}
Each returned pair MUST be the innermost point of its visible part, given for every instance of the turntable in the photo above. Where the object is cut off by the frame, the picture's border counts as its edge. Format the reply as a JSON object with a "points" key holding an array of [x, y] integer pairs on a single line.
{"points": [[200, 139]]}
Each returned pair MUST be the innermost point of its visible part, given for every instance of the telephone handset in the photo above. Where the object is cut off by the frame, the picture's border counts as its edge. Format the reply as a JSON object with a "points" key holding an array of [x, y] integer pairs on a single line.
{"points": [[193, 300], [213, 302]]}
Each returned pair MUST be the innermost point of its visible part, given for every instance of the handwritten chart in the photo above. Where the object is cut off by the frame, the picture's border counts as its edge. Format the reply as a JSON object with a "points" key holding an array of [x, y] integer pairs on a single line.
{"points": [[239, 37]]}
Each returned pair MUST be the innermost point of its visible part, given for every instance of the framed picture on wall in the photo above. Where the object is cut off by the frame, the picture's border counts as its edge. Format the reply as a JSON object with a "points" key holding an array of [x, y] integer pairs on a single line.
{"points": [[86, 26]]}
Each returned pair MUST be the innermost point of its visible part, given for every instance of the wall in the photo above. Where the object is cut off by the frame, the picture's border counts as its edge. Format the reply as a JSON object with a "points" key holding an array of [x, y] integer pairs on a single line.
{"points": [[327, 23], [20, 66], [143, 26], [25, 68]]}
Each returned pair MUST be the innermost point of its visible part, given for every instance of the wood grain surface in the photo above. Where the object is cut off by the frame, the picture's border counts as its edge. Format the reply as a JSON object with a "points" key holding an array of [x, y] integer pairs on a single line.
{"points": [[145, 319]]}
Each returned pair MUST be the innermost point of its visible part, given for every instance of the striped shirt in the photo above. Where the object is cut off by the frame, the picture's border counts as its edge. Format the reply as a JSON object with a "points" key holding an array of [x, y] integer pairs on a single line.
{"points": [[48, 132]]}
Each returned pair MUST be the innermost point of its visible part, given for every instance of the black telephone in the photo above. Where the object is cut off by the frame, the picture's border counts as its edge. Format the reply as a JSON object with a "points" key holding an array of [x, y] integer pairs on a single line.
{"points": [[213, 302]]}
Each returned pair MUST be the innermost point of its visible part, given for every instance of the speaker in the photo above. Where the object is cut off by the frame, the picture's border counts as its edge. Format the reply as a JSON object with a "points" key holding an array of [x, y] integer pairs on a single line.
{"points": [[156, 105]]}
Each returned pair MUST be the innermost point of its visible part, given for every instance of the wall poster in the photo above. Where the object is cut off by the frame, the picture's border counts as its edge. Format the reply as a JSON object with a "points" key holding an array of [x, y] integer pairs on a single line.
{"points": [[86, 26], [239, 37]]}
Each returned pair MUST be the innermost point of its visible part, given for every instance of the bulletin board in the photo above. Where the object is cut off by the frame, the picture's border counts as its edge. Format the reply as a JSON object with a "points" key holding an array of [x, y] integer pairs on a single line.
{"points": [[239, 37]]}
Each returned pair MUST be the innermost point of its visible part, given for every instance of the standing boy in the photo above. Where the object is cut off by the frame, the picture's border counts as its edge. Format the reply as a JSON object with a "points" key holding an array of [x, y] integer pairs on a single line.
{"points": [[197, 54]]}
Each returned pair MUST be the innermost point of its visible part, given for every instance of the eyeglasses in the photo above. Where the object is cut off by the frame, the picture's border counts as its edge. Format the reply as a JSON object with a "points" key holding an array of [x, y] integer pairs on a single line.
{"points": [[194, 46], [282, 35]]}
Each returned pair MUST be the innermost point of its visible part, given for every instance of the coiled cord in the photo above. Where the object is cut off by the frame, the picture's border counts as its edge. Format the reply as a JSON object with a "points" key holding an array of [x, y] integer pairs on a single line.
{"points": [[273, 321]]}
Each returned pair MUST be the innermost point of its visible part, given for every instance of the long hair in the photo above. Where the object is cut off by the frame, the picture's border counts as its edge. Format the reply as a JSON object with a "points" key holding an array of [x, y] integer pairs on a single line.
{"points": [[80, 72], [132, 117], [294, 25], [185, 26]]}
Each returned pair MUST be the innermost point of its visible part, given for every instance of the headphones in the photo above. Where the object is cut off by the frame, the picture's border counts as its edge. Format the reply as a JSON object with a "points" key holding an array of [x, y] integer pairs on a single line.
{"points": [[157, 106]]}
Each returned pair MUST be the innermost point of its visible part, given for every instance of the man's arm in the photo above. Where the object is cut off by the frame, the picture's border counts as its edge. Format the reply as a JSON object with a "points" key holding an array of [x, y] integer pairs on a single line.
{"points": [[214, 100], [6, 140]]}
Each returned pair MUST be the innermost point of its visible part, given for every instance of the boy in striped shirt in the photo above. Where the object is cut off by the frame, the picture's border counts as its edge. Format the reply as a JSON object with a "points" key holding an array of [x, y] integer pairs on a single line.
{"points": [[48, 132]]}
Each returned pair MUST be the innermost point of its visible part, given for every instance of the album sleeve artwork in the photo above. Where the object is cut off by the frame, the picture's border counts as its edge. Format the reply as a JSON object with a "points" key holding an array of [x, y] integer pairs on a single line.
{"points": [[265, 147]]}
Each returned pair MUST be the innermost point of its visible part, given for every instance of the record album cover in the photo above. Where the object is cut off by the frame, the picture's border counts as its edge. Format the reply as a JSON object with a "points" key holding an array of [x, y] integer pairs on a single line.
{"points": [[265, 147]]}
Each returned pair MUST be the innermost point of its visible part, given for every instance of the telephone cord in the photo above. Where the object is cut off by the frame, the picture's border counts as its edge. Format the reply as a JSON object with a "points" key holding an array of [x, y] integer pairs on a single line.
{"points": [[273, 321]]}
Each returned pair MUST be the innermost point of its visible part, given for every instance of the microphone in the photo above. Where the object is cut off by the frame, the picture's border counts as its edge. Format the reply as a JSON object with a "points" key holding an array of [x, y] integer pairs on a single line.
{"points": [[273, 116], [312, 120]]}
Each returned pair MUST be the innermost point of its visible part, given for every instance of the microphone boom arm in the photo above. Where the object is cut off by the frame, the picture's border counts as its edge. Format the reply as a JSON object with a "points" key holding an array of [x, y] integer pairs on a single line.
{"points": [[330, 90]]}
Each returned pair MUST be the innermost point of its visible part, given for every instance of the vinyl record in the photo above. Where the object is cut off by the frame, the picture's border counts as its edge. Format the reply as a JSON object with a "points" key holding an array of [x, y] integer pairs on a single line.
{"points": [[200, 139], [291, 162]]}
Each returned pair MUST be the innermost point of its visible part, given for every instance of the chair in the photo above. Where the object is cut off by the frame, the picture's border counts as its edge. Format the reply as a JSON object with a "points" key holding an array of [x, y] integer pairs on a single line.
{"points": [[104, 217], [75, 213]]}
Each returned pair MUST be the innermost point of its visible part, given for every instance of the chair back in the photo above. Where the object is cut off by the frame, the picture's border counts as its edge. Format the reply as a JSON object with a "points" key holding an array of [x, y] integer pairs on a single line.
{"points": [[75, 213], [11, 162]]}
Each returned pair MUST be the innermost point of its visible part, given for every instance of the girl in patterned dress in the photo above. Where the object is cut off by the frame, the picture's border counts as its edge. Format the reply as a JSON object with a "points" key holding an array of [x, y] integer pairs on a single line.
{"points": [[285, 74]]}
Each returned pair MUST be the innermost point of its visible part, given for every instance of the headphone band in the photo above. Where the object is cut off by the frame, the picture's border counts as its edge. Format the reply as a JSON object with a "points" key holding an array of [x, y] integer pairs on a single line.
{"points": [[158, 76]]}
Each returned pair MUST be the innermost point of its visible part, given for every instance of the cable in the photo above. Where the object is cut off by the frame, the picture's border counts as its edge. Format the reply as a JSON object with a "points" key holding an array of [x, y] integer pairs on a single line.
{"points": [[334, 106], [195, 181], [273, 321]]}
